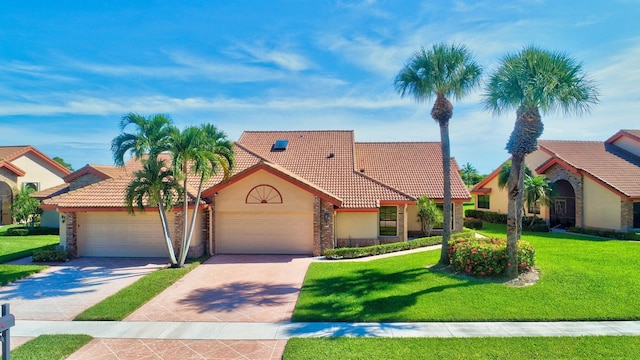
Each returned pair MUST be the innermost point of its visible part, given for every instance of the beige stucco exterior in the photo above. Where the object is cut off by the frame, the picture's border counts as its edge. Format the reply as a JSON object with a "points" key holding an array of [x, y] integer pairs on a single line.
{"points": [[413, 222], [356, 225], [601, 206], [37, 171], [284, 226]]}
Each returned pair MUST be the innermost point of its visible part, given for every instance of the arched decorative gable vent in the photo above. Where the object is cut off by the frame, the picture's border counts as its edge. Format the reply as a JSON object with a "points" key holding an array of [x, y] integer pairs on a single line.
{"points": [[264, 194]]}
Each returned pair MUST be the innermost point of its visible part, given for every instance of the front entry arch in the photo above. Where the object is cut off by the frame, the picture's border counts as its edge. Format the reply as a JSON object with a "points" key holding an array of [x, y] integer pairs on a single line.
{"points": [[6, 199], [563, 211]]}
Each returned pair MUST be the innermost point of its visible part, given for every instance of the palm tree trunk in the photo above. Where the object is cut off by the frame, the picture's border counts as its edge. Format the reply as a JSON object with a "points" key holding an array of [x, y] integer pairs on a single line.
{"points": [[167, 234], [446, 211], [520, 199], [192, 224], [513, 211], [185, 215]]}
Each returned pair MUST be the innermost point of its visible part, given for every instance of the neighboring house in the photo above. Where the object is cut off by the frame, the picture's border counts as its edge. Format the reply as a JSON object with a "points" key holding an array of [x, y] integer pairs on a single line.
{"points": [[291, 192], [598, 183], [26, 166]]}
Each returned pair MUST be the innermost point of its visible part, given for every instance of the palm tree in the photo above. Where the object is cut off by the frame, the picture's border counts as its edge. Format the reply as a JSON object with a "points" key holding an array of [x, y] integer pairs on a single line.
{"points": [[469, 174], [538, 189], [530, 82], [503, 180], [154, 185], [442, 71], [202, 151], [151, 137]]}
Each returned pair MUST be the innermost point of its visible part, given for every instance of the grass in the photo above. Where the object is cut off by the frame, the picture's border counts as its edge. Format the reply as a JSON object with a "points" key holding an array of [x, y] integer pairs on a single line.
{"points": [[17, 247], [119, 305], [468, 206], [581, 279], [11, 273], [525, 348], [50, 347]]}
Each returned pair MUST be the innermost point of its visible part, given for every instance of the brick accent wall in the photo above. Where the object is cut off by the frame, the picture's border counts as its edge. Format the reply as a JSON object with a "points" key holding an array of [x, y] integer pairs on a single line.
{"points": [[323, 226], [626, 212], [458, 215], [205, 232], [72, 233], [178, 221]]}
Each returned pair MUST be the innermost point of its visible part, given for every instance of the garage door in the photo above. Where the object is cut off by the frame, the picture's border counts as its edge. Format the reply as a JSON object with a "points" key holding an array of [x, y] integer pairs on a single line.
{"points": [[121, 235], [264, 233]]}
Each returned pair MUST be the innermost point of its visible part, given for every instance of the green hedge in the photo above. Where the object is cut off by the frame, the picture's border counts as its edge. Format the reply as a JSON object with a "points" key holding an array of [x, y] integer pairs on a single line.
{"points": [[606, 233], [473, 223], [25, 231], [488, 257], [488, 216], [50, 255], [358, 252]]}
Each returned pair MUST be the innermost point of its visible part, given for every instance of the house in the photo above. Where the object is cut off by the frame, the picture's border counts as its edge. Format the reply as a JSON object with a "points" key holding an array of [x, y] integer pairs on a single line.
{"points": [[291, 192], [26, 166], [598, 183]]}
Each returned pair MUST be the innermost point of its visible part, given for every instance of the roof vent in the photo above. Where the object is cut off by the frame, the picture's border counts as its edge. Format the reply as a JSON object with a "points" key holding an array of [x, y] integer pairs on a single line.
{"points": [[361, 170], [280, 145], [330, 155]]}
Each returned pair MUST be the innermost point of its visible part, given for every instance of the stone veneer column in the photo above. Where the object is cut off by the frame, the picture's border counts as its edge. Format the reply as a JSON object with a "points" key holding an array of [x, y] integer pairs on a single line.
{"points": [[401, 223], [458, 217], [322, 226], [626, 215], [72, 236], [178, 221]]}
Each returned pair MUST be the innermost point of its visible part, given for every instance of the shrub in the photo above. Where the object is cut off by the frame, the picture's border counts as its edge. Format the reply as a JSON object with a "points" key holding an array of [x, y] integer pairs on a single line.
{"points": [[50, 255], [474, 214], [25, 231], [606, 233], [487, 257], [541, 227], [488, 216], [357, 252], [473, 223]]}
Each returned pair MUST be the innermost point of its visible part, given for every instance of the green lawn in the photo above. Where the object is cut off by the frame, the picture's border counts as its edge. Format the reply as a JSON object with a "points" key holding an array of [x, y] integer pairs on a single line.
{"points": [[581, 279], [11, 273], [17, 247], [50, 347], [525, 348]]}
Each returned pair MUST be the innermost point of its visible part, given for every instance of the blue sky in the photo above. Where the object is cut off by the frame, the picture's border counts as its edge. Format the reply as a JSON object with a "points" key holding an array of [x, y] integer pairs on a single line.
{"points": [[70, 69]]}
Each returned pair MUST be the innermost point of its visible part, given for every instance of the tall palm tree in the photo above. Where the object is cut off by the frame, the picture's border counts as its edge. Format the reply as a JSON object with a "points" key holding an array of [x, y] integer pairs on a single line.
{"points": [[442, 71], [503, 181], [202, 151], [149, 139], [530, 82], [154, 185]]}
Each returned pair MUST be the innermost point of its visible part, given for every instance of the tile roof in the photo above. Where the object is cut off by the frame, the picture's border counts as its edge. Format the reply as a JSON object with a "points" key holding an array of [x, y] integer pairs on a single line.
{"points": [[325, 161], [10, 153], [604, 162], [50, 192], [414, 168]]}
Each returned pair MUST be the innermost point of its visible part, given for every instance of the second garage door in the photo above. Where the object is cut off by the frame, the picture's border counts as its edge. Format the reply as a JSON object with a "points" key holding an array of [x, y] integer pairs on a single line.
{"points": [[264, 233], [119, 234]]}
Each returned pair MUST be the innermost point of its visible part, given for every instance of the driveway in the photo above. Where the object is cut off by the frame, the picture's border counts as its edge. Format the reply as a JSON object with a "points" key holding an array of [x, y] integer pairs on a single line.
{"points": [[232, 288], [64, 290]]}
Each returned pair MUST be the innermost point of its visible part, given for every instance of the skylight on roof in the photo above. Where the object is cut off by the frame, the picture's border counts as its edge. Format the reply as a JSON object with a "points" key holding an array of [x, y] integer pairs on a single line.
{"points": [[280, 145]]}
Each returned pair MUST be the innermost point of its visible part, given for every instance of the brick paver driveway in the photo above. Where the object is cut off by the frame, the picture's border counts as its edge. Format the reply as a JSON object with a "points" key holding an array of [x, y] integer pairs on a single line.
{"points": [[232, 288]]}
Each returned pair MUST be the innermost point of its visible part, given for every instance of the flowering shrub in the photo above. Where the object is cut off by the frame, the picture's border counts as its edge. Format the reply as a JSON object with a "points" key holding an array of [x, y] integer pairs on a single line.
{"points": [[488, 257], [472, 223]]}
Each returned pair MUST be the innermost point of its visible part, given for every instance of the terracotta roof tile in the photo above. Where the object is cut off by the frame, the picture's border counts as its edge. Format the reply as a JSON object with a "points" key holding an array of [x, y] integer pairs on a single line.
{"points": [[8, 153], [50, 192], [414, 168], [605, 162]]}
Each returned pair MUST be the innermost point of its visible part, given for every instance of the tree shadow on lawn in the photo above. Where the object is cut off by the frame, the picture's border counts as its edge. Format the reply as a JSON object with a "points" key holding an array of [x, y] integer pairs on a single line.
{"points": [[230, 297], [364, 283]]}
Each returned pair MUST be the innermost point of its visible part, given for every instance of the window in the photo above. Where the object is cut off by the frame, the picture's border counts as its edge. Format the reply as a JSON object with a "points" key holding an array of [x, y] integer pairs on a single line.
{"points": [[636, 215], [388, 221], [534, 208], [32, 185], [263, 194], [483, 202]]}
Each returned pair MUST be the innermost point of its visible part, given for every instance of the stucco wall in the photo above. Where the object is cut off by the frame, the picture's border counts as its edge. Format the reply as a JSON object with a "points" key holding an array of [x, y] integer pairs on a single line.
{"points": [[413, 222], [37, 171], [601, 206], [356, 225], [233, 198], [497, 198]]}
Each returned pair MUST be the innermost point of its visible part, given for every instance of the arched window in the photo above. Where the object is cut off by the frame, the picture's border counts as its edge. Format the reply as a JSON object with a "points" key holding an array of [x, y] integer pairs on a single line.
{"points": [[264, 194]]}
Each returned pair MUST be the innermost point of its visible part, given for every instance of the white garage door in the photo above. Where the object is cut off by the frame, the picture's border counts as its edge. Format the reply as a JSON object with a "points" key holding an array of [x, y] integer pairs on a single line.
{"points": [[121, 235], [264, 233]]}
